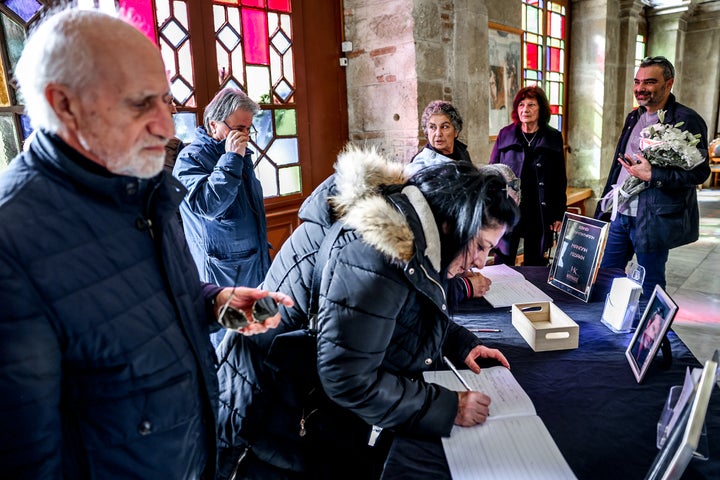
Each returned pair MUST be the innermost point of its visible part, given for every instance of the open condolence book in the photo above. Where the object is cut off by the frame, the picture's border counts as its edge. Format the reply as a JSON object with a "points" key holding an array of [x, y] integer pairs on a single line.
{"points": [[512, 444]]}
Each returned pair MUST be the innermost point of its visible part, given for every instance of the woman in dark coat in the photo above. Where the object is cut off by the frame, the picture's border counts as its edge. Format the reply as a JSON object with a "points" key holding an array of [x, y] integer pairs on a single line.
{"points": [[383, 321], [534, 151]]}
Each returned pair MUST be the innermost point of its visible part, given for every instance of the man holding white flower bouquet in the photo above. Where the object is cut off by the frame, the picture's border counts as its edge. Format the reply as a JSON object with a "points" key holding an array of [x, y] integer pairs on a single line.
{"points": [[650, 195]]}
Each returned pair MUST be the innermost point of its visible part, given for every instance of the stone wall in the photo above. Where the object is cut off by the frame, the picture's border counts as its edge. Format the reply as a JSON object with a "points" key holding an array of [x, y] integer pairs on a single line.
{"points": [[407, 53]]}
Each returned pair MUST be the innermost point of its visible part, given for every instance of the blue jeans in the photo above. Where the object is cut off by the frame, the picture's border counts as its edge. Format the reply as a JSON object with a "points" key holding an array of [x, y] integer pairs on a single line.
{"points": [[620, 248]]}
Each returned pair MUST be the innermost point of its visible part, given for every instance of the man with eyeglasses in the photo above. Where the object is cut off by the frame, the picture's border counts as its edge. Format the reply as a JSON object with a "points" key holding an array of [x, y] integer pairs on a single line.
{"points": [[665, 215], [223, 212], [106, 368]]}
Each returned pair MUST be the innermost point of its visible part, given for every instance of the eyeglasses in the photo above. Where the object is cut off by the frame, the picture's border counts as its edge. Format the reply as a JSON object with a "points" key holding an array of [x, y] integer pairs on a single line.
{"points": [[242, 129]]}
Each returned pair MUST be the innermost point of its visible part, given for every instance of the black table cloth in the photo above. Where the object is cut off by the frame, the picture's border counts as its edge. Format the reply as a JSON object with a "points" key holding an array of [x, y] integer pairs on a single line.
{"points": [[602, 420]]}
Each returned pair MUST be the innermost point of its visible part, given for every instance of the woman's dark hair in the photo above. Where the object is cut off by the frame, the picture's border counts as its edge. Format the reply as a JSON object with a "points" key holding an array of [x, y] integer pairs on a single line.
{"points": [[538, 94], [464, 200]]}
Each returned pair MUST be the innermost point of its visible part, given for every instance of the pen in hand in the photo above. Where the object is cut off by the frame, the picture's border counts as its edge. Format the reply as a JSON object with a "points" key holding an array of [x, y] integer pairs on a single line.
{"points": [[457, 374]]}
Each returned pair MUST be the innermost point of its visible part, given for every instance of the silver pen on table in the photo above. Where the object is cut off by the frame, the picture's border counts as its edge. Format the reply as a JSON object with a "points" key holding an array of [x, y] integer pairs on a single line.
{"points": [[457, 374]]}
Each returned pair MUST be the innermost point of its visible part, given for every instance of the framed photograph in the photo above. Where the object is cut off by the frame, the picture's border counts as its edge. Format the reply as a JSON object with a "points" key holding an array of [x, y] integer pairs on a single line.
{"points": [[684, 439], [504, 74], [580, 247], [651, 330]]}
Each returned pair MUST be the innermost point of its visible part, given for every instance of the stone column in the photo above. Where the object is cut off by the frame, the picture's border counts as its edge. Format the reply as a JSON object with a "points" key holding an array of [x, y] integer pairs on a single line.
{"points": [[600, 85]]}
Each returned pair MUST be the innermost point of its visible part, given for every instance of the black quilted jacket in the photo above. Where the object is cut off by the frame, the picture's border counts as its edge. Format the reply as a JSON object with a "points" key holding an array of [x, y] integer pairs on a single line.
{"points": [[383, 321]]}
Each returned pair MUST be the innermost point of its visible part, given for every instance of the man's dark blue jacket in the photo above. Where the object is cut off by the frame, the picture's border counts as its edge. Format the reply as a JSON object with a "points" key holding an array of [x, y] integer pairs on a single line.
{"points": [[106, 368], [668, 214]]}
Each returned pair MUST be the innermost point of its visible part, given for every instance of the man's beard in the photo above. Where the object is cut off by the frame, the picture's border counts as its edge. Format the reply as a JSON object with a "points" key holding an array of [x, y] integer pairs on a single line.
{"points": [[140, 166]]}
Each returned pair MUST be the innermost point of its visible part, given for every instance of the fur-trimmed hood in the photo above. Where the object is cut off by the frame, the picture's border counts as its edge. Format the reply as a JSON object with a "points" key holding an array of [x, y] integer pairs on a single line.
{"points": [[355, 195]]}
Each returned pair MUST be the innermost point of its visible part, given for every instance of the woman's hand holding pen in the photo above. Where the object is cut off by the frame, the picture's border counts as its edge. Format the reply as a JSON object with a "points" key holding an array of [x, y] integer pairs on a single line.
{"points": [[473, 408]]}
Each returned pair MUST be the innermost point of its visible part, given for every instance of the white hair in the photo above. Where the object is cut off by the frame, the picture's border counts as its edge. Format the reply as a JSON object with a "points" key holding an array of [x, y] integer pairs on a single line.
{"points": [[57, 51]]}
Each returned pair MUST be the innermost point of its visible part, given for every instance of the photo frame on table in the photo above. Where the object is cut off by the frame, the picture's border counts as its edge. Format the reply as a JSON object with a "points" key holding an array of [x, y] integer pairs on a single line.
{"points": [[651, 330], [579, 251], [684, 439], [504, 74]]}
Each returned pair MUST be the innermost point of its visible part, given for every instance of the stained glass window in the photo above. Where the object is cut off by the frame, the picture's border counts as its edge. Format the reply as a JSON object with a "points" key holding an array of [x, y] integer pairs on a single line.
{"points": [[254, 50], [544, 38], [16, 17]]}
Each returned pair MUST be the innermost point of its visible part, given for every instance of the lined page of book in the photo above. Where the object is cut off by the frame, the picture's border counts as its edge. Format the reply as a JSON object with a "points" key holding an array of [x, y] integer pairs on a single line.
{"points": [[510, 286], [513, 444], [507, 396], [511, 448]]}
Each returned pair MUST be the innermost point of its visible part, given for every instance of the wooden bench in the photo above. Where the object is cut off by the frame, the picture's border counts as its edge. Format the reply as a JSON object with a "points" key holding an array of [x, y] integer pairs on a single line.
{"points": [[576, 197]]}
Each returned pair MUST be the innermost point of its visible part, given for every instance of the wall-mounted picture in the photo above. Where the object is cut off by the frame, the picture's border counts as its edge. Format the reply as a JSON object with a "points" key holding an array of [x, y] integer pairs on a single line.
{"points": [[651, 330], [505, 55]]}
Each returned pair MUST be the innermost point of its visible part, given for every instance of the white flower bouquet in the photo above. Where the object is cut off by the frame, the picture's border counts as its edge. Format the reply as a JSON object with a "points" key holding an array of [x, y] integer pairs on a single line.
{"points": [[663, 145]]}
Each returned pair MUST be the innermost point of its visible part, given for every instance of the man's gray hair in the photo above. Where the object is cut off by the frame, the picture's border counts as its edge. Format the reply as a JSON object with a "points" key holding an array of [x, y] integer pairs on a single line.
{"points": [[57, 52], [225, 103]]}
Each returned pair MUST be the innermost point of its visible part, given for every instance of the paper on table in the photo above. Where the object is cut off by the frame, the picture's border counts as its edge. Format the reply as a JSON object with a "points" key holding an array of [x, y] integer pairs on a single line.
{"points": [[508, 397], [510, 286], [517, 448], [513, 444]]}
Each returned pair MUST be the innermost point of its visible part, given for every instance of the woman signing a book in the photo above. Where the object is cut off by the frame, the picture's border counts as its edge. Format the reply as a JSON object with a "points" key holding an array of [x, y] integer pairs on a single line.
{"points": [[383, 321]]}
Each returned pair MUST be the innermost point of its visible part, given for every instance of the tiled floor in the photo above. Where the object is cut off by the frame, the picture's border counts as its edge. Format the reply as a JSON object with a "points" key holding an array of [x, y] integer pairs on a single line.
{"points": [[693, 281]]}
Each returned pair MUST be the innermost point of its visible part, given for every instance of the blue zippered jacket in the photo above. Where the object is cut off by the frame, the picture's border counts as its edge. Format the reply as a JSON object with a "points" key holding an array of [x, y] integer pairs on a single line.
{"points": [[223, 213]]}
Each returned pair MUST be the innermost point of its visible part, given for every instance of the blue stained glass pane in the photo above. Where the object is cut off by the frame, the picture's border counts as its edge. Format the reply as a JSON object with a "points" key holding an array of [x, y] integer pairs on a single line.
{"points": [[263, 124], [284, 151], [283, 90], [25, 9], [25, 124], [185, 123]]}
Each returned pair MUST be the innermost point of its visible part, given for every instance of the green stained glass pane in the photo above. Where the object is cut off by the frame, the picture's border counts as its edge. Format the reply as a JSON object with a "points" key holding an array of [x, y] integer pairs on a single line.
{"points": [[285, 122], [8, 139], [290, 180], [258, 83], [14, 39], [267, 175], [283, 151]]}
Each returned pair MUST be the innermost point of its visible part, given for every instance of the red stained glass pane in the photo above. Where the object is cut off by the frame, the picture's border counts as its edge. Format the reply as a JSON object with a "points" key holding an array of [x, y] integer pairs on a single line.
{"points": [[255, 36], [555, 58], [280, 5], [531, 56], [142, 15], [253, 3], [554, 109]]}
